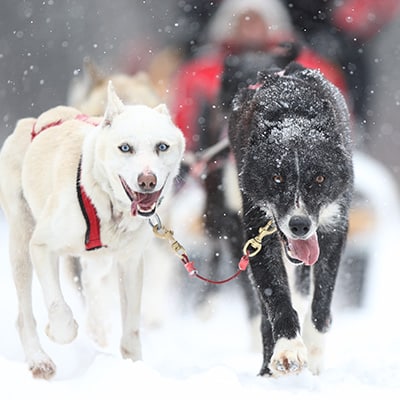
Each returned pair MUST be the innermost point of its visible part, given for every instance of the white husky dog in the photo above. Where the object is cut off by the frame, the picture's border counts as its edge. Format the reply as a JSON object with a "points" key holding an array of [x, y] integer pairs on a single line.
{"points": [[84, 187]]}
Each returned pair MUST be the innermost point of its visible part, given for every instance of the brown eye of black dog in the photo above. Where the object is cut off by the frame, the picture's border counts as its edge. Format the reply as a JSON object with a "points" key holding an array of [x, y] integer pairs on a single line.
{"points": [[320, 179], [278, 179]]}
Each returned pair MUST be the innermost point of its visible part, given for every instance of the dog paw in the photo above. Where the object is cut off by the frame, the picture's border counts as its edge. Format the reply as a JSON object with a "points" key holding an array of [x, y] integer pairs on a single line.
{"points": [[62, 328], [98, 332], [131, 347], [62, 333], [42, 367], [289, 357], [315, 343], [315, 360]]}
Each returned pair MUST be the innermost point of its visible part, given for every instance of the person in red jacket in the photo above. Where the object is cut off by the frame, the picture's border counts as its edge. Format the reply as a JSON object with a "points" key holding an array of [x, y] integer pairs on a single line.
{"points": [[237, 26]]}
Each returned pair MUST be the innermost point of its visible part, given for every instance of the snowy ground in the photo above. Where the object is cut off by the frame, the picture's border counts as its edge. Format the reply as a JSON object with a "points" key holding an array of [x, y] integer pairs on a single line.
{"points": [[188, 357]]}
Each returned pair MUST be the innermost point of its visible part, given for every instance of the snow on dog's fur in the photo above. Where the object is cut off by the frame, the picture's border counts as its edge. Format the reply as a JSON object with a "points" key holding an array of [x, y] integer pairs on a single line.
{"points": [[291, 139], [128, 160]]}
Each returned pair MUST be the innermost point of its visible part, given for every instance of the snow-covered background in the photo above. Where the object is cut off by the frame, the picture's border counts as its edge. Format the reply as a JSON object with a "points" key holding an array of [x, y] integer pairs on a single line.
{"points": [[188, 356], [42, 45]]}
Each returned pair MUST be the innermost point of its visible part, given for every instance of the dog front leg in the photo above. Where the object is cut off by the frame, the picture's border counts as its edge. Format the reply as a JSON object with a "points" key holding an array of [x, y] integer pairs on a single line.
{"points": [[318, 320], [131, 281], [284, 350], [62, 328], [97, 284]]}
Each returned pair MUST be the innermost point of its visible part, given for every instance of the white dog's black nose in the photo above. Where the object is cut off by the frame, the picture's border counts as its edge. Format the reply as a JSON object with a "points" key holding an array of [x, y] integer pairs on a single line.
{"points": [[147, 181], [299, 225]]}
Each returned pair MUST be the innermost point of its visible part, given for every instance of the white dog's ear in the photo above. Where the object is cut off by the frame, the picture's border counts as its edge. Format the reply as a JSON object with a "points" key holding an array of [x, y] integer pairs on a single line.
{"points": [[162, 109], [114, 105]]}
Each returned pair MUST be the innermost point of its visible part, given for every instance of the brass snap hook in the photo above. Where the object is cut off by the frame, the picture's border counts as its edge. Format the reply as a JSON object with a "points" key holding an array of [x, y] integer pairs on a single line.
{"points": [[256, 242]]}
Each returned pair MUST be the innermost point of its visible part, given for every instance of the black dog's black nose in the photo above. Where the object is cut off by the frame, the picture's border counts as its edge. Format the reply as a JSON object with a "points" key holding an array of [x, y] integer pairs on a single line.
{"points": [[299, 225]]}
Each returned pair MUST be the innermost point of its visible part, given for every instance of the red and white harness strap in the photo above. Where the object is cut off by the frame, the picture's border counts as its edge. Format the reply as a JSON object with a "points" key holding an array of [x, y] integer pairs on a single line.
{"points": [[92, 237]]}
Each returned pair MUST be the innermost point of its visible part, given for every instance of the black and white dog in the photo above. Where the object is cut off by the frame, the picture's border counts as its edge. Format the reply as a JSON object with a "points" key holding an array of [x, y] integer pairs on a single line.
{"points": [[291, 140], [222, 204]]}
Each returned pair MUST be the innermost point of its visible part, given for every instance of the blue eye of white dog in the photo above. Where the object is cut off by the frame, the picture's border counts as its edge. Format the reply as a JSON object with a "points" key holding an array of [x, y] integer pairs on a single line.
{"points": [[162, 147], [126, 148]]}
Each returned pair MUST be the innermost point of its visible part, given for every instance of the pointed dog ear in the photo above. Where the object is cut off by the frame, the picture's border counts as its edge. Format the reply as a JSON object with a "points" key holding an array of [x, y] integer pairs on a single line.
{"points": [[92, 73], [162, 109], [114, 106]]}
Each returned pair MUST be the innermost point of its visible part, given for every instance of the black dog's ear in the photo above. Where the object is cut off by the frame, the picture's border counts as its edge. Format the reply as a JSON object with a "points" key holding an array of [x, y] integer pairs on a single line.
{"points": [[293, 67], [268, 77]]}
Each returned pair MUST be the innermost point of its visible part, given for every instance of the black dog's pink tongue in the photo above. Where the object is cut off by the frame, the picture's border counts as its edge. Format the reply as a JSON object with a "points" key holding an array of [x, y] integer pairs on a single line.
{"points": [[306, 251]]}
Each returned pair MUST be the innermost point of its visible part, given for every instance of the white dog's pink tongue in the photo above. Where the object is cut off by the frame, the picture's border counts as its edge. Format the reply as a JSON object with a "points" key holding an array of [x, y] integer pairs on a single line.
{"points": [[134, 206], [144, 201], [306, 251]]}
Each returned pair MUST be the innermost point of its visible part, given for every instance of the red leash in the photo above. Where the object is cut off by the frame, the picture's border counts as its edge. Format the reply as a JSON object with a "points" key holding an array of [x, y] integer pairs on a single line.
{"points": [[191, 269], [255, 243], [161, 232]]}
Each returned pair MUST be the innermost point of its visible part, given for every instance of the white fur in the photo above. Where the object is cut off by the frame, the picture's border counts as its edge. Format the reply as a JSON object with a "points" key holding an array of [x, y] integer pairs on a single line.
{"points": [[290, 356], [313, 340], [296, 211], [233, 198], [89, 95], [38, 195], [224, 23], [329, 215], [315, 344], [300, 302]]}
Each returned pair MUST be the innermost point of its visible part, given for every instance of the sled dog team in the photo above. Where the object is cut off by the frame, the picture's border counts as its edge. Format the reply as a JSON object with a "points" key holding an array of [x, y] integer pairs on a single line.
{"points": [[73, 185]]}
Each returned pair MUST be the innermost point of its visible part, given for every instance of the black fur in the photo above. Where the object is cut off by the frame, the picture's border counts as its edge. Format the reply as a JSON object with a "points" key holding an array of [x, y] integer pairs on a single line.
{"points": [[286, 135], [222, 224], [241, 70]]}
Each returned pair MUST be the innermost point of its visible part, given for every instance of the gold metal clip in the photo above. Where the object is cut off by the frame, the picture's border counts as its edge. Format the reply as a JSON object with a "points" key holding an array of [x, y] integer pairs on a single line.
{"points": [[256, 242], [161, 232]]}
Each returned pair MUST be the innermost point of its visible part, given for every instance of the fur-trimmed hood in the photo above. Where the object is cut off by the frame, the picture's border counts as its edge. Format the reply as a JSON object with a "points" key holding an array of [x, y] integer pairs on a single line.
{"points": [[273, 12]]}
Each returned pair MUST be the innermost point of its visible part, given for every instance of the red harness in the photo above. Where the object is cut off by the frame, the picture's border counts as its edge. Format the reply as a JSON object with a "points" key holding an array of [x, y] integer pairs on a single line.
{"points": [[92, 237]]}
